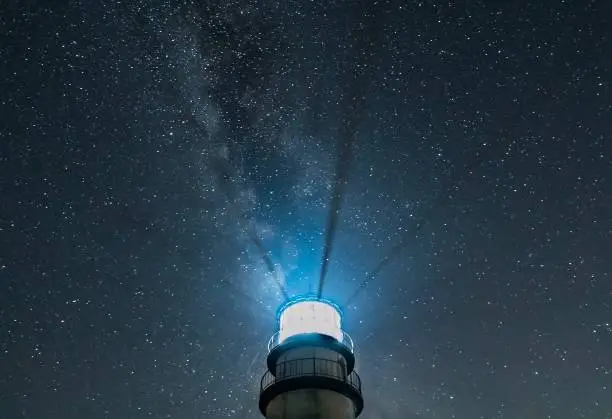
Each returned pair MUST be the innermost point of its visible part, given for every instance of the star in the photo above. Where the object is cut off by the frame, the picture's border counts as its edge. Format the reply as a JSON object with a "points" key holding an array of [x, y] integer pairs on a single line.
{"points": [[172, 172]]}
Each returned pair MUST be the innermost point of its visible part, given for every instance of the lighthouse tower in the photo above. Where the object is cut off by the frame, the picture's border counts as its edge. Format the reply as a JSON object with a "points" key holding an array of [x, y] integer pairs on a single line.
{"points": [[310, 365]]}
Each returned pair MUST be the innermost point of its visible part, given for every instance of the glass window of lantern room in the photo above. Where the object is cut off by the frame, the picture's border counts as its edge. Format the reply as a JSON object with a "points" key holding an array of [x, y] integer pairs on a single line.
{"points": [[310, 317]]}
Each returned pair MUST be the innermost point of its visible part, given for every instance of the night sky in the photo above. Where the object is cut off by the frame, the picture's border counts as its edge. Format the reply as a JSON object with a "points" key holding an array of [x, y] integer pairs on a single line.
{"points": [[145, 144]]}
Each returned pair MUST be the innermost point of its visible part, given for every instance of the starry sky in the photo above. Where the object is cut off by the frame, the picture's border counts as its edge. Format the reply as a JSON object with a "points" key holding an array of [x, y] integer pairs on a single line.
{"points": [[146, 146]]}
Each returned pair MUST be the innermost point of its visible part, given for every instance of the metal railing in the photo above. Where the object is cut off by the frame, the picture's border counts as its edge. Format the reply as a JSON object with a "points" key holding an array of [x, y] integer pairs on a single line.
{"points": [[344, 340], [312, 367]]}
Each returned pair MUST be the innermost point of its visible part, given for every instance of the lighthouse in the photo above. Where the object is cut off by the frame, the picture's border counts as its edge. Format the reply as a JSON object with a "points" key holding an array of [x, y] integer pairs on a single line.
{"points": [[310, 365]]}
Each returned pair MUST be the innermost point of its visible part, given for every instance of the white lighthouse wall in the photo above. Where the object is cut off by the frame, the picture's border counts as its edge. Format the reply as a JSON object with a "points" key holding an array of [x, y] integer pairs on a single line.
{"points": [[336, 369], [311, 404]]}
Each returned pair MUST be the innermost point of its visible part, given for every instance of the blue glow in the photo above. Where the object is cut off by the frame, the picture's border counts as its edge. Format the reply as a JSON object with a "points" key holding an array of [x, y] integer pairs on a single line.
{"points": [[309, 315]]}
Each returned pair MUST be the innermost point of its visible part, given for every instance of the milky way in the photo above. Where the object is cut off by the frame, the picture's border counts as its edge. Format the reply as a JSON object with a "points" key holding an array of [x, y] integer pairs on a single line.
{"points": [[166, 165]]}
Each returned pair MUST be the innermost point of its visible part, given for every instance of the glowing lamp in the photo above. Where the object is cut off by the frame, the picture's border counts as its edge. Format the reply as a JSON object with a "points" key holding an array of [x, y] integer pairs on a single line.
{"points": [[309, 316], [310, 364]]}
